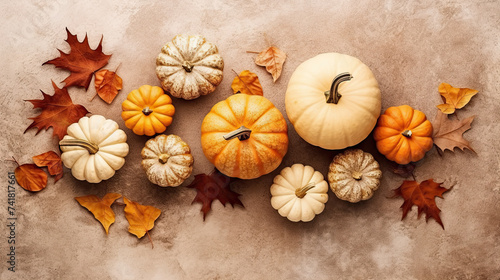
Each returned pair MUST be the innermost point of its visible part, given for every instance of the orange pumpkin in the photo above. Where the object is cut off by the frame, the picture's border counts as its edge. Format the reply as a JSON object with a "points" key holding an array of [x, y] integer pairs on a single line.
{"points": [[403, 134], [244, 136], [147, 110]]}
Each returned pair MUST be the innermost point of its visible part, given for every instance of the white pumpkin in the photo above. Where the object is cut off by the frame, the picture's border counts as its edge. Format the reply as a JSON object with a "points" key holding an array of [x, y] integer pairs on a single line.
{"points": [[354, 175], [94, 148], [167, 160], [189, 67], [299, 193], [333, 101]]}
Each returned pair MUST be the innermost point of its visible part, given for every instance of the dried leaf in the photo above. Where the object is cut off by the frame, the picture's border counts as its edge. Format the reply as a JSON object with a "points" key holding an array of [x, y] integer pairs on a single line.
{"points": [[101, 208], [141, 218], [456, 98], [211, 187], [81, 61], [405, 170], [423, 195], [58, 112], [248, 83], [447, 134], [53, 163], [31, 177], [272, 58], [107, 85]]}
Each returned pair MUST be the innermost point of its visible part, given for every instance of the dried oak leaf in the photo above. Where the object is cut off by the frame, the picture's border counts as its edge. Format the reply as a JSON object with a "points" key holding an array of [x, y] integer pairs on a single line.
{"points": [[101, 208], [58, 112], [107, 85], [81, 61], [423, 195], [272, 58], [248, 83], [141, 218], [211, 187], [447, 134], [456, 98], [30, 177], [53, 163]]}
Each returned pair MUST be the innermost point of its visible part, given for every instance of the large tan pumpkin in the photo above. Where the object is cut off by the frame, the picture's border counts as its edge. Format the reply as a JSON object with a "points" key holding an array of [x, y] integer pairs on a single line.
{"points": [[333, 101], [244, 136]]}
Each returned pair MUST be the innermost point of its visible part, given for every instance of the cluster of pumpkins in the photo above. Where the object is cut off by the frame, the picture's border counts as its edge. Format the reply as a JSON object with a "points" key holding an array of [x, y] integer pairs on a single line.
{"points": [[333, 101]]}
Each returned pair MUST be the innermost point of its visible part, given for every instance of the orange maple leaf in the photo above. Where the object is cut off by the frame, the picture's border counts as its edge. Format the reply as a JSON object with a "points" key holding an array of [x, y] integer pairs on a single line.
{"points": [[456, 98], [421, 194], [81, 61], [30, 177], [107, 85], [58, 112], [273, 59], [101, 208], [141, 218], [53, 163], [247, 82]]}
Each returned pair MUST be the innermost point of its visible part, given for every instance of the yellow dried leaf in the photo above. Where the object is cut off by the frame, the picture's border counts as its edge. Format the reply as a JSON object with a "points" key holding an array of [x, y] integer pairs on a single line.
{"points": [[248, 83], [456, 98], [101, 208], [272, 58], [141, 218]]}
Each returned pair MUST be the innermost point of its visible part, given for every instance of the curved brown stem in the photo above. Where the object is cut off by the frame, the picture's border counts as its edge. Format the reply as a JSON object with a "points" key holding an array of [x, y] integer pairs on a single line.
{"points": [[91, 147], [242, 133], [333, 95]]}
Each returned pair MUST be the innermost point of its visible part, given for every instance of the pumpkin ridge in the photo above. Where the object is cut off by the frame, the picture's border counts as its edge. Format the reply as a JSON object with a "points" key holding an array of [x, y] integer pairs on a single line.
{"points": [[234, 114], [260, 166], [259, 117], [234, 127], [264, 145]]}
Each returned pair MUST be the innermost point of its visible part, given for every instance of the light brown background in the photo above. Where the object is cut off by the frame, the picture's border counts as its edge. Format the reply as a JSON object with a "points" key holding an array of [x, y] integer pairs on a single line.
{"points": [[411, 46]]}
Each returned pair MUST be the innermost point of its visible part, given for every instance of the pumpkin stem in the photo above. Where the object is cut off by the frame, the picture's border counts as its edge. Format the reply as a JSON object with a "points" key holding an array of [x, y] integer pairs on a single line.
{"points": [[333, 95], [163, 158], [301, 192], [357, 175], [242, 133], [147, 111], [91, 147], [187, 66], [407, 133]]}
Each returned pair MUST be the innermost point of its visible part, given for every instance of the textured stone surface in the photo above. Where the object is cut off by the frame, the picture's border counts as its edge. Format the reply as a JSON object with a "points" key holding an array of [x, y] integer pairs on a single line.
{"points": [[411, 46]]}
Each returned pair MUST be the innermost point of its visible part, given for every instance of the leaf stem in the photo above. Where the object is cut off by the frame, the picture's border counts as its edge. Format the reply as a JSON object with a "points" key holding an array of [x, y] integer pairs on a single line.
{"points": [[150, 240]]}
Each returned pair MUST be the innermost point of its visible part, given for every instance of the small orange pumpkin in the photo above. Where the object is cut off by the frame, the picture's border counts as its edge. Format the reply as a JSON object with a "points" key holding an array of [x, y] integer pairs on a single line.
{"points": [[403, 134], [244, 136], [148, 110]]}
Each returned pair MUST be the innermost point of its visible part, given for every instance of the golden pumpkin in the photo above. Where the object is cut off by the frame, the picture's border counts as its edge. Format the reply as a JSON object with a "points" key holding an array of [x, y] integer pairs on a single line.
{"points": [[403, 134], [189, 67], [244, 136], [147, 110], [333, 101]]}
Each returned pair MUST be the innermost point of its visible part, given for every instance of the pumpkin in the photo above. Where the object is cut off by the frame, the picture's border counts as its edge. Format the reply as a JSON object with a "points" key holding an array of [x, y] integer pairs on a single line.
{"points": [[147, 110], [167, 160], [94, 148], [333, 101], [403, 134], [354, 175], [299, 193], [189, 67], [244, 136]]}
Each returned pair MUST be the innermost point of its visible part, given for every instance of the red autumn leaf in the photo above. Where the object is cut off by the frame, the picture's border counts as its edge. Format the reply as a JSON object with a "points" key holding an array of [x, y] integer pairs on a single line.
{"points": [[31, 177], [107, 85], [58, 112], [211, 187], [421, 194], [81, 61], [53, 163]]}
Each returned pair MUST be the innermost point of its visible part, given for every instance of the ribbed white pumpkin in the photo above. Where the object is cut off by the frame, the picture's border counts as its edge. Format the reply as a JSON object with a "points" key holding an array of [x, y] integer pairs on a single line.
{"points": [[316, 117], [354, 175], [167, 160], [189, 67], [299, 193], [94, 148]]}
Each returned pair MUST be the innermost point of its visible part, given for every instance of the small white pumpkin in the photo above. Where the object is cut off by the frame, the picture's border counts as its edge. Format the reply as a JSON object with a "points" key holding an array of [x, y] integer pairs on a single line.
{"points": [[299, 193], [354, 175], [167, 160], [189, 67], [94, 148]]}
